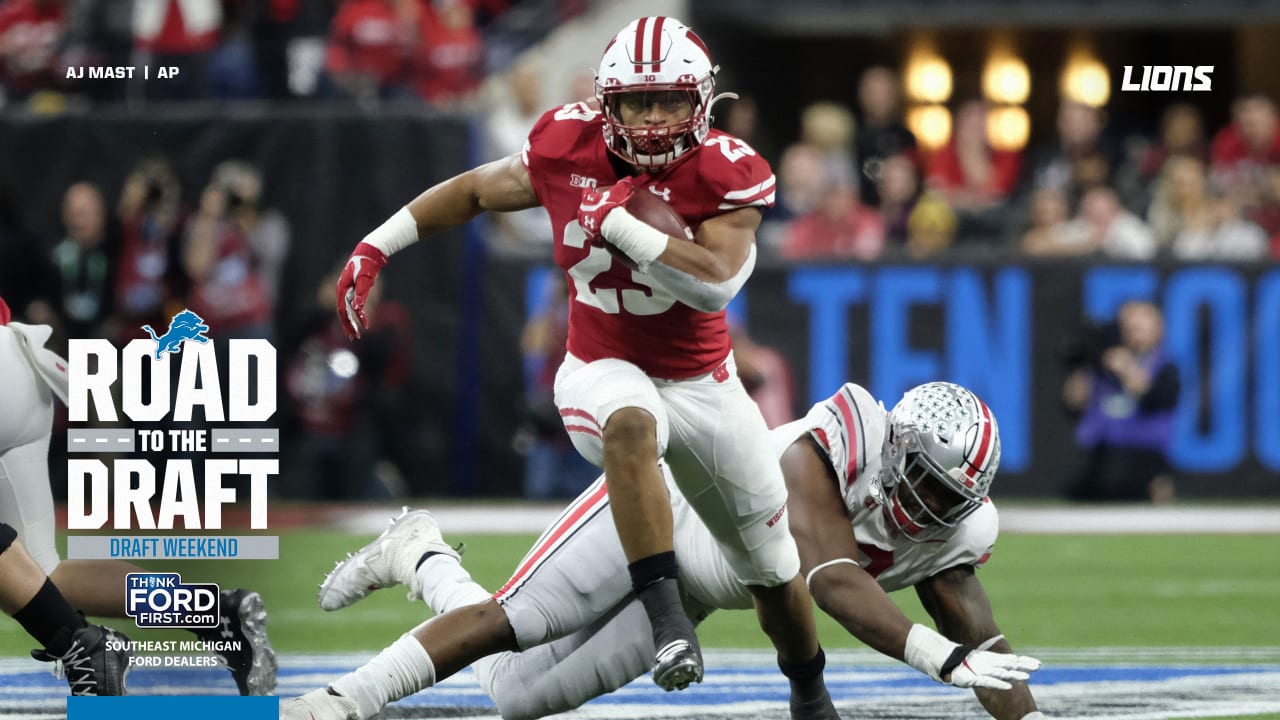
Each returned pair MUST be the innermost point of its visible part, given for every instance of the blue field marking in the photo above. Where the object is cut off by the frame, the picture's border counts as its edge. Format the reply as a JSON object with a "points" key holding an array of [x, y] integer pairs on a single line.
{"points": [[747, 685]]}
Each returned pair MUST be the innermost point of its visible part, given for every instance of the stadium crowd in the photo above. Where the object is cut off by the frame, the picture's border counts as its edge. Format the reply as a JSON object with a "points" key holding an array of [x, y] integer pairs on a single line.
{"points": [[854, 186]]}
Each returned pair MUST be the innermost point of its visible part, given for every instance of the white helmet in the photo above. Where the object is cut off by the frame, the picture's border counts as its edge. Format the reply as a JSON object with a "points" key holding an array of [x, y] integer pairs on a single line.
{"points": [[656, 54], [943, 432]]}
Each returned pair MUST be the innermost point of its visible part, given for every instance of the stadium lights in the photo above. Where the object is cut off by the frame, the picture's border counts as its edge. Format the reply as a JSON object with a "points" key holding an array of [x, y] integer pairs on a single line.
{"points": [[1085, 80], [931, 125], [1005, 79], [1008, 128], [928, 78]]}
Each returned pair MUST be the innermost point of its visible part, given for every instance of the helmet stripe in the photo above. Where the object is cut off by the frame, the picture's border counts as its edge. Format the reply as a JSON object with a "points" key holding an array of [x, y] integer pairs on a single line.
{"points": [[984, 445], [656, 56], [638, 52]]}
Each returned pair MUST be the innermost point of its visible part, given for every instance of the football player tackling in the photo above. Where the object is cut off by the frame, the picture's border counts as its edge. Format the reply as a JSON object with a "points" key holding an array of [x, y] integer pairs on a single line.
{"points": [[649, 375], [881, 501]]}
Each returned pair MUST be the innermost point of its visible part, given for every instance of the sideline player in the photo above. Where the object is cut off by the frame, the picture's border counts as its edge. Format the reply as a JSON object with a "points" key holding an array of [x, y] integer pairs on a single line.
{"points": [[649, 374], [881, 502], [30, 377]]}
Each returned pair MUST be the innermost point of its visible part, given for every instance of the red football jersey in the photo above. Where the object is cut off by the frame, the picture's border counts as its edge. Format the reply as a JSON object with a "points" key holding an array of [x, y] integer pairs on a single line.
{"points": [[617, 312]]}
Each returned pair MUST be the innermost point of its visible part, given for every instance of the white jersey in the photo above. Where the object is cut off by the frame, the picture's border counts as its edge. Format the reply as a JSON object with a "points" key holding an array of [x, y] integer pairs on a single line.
{"points": [[850, 427]]}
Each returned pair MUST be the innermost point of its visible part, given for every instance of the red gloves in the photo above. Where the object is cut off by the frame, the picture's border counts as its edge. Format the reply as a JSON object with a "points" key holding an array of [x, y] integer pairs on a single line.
{"points": [[354, 284], [598, 204]]}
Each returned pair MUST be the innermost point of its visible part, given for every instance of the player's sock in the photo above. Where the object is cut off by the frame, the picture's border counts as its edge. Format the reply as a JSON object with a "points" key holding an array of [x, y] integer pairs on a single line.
{"points": [[446, 585], [809, 696], [49, 619], [654, 580], [397, 672]]}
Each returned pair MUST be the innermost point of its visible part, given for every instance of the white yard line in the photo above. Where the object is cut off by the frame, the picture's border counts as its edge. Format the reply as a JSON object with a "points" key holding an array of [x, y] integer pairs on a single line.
{"points": [[532, 517]]}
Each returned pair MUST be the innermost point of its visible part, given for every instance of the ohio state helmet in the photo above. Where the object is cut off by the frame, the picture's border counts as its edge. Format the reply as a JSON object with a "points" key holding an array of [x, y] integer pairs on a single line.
{"points": [[941, 431], [656, 54]]}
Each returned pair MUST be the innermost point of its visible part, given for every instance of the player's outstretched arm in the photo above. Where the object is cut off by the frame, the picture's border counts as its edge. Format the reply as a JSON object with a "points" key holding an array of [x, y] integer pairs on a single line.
{"points": [[959, 605], [829, 551], [501, 186]]}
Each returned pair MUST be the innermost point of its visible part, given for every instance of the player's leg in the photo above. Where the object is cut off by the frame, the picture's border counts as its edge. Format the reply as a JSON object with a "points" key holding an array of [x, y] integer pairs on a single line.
{"points": [[616, 419], [26, 594], [729, 473]]}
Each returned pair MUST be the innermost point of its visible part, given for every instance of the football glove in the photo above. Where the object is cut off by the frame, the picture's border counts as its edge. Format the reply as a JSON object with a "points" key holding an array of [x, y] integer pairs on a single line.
{"points": [[961, 665], [354, 285], [597, 204]]}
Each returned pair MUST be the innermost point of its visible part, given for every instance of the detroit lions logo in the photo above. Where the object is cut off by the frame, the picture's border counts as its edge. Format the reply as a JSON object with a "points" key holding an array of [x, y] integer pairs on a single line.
{"points": [[184, 326]]}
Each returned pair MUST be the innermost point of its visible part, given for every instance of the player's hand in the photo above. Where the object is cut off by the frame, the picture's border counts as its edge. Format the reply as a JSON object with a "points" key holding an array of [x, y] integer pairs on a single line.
{"points": [[597, 204], [354, 285], [994, 670]]}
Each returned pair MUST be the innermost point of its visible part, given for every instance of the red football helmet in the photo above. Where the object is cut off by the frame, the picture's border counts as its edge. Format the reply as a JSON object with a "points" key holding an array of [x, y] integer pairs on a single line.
{"points": [[656, 54]]}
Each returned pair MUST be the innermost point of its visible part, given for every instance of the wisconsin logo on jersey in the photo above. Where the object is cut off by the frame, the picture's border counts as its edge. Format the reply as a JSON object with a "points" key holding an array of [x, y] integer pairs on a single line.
{"points": [[184, 326]]}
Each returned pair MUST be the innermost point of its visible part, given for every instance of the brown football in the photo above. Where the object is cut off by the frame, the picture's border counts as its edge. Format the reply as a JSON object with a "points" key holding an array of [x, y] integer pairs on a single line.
{"points": [[651, 210]]}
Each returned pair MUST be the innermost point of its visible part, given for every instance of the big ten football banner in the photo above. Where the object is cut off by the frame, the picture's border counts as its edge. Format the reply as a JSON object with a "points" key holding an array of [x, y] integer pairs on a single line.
{"points": [[1010, 331]]}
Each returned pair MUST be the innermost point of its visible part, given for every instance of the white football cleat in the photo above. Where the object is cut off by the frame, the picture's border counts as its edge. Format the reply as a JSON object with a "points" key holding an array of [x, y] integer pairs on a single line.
{"points": [[319, 705], [391, 559]]}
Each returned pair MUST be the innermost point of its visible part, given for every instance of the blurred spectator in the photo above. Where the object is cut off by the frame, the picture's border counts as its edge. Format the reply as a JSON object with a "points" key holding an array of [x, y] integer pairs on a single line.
{"points": [[1225, 235], [1104, 226], [1181, 200], [507, 125], [839, 227], [553, 469], [967, 171], [1181, 134], [742, 120], [882, 134], [1048, 232], [181, 33], [148, 277], [82, 264], [898, 188], [336, 391], [449, 64], [829, 128], [765, 374], [32, 33], [1267, 213], [931, 229], [1243, 150], [802, 181], [233, 65], [1080, 157], [1126, 388], [371, 43], [228, 286]]}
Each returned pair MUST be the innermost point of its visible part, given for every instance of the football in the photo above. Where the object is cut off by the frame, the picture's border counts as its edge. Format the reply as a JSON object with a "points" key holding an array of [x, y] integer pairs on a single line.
{"points": [[650, 209]]}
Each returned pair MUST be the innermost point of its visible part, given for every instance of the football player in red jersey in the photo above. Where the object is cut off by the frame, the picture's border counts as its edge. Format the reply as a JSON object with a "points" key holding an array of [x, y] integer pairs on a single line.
{"points": [[648, 374], [883, 501]]}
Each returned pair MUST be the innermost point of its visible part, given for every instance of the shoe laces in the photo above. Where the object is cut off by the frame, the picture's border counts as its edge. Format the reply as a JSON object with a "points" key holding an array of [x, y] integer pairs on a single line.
{"points": [[76, 668]]}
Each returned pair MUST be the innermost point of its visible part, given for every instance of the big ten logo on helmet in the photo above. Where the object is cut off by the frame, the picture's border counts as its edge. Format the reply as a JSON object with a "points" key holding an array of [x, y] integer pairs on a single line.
{"points": [[156, 600], [1169, 78]]}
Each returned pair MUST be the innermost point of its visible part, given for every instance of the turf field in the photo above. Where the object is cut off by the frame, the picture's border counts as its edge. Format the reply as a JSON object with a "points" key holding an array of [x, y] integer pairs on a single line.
{"points": [[1132, 626]]}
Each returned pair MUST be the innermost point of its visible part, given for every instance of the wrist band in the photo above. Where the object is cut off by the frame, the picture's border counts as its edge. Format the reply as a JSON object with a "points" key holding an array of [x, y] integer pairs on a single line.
{"points": [[637, 240], [397, 233]]}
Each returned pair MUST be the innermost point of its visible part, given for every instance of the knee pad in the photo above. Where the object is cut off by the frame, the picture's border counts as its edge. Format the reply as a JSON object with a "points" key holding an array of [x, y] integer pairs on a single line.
{"points": [[7, 536]]}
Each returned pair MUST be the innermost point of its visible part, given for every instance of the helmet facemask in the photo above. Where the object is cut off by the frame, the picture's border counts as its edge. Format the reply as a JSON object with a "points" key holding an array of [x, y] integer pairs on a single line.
{"points": [[919, 499], [653, 147]]}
